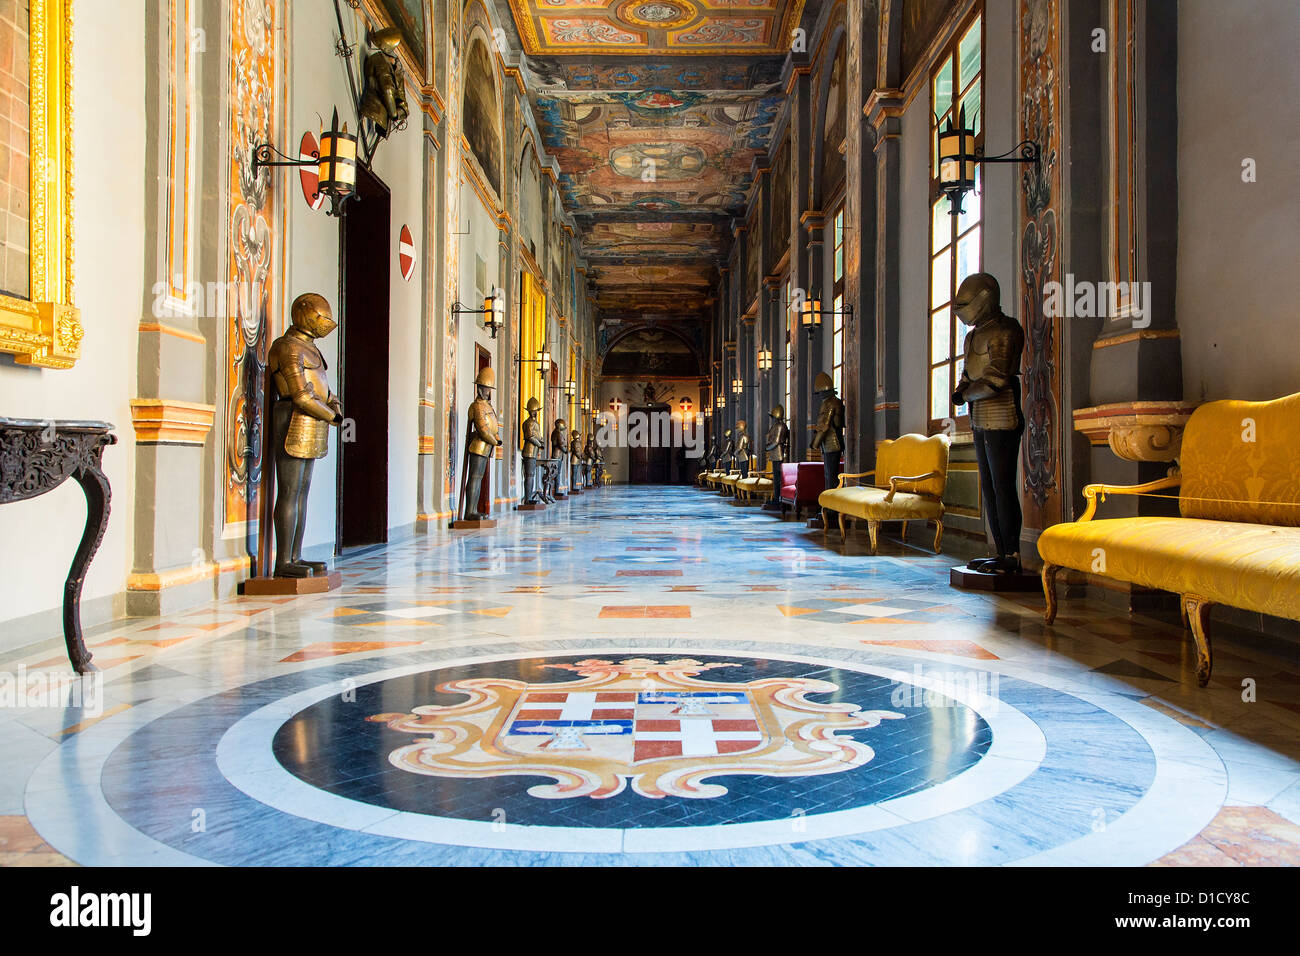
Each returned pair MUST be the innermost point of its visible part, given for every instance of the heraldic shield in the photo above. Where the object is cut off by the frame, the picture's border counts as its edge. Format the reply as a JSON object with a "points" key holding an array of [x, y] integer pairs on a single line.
{"points": [[654, 724]]}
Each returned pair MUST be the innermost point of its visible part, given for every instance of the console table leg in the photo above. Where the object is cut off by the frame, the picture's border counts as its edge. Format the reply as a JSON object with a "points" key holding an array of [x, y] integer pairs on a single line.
{"points": [[95, 485]]}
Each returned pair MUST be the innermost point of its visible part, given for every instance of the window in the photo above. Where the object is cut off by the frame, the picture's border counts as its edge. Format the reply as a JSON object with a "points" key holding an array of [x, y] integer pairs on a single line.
{"points": [[532, 339], [573, 398], [789, 365], [837, 306], [955, 241]]}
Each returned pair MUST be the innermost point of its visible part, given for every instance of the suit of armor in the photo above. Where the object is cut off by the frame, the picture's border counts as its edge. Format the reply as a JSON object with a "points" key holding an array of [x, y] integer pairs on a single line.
{"points": [[384, 100], [532, 448], [301, 418], [728, 446], [777, 443], [558, 448], [741, 456], [990, 384], [829, 433], [575, 461], [484, 437]]}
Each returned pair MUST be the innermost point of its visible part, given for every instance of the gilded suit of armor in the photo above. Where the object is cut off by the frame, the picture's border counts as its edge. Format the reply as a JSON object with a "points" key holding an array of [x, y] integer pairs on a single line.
{"points": [[532, 435], [486, 428], [741, 455], [298, 370], [728, 447], [829, 434], [777, 443], [557, 439]]}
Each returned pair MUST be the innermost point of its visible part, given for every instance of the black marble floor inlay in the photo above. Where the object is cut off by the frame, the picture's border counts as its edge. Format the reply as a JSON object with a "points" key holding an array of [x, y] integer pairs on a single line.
{"points": [[333, 746]]}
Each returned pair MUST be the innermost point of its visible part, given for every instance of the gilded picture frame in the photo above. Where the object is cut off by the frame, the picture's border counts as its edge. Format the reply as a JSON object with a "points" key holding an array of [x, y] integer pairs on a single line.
{"points": [[45, 330]]}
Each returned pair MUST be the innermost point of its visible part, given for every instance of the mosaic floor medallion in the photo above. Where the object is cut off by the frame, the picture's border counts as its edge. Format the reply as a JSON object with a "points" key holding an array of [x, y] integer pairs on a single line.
{"points": [[629, 741]]}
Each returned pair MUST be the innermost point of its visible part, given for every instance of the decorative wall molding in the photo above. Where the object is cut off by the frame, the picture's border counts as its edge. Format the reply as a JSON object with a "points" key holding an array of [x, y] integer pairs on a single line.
{"points": [[158, 421], [1137, 431]]}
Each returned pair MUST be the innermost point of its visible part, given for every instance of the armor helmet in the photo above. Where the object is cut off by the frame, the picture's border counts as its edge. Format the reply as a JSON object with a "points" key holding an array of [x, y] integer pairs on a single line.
{"points": [[823, 383], [727, 433], [978, 297], [388, 39], [741, 426], [486, 378], [778, 412], [310, 313], [533, 406], [575, 434]]}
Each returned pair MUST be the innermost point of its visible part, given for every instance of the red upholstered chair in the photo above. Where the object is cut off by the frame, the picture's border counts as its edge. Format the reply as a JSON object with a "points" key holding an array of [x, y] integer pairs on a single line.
{"points": [[801, 484]]}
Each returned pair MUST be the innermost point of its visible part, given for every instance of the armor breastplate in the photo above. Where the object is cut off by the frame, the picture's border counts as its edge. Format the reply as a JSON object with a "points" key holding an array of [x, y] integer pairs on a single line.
{"points": [[486, 426], [777, 437], [299, 365], [996, 344], [531, 429], [742, 448], [830, 421]]}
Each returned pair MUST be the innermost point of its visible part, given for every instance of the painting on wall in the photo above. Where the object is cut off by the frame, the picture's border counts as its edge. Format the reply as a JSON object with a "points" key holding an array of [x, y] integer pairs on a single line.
{"points": [[921, 19], [481, 115], [650, 353], [778, 220], [835, 129], [408, 16]]}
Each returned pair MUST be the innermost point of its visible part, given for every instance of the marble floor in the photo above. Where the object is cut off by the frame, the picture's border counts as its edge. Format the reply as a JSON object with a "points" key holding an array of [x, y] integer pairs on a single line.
{"points": [[651, 676]]}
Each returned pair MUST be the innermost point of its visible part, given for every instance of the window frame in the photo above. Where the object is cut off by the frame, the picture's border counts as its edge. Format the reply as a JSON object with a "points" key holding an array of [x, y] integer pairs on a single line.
{"points": [[959, 416], [837, 299]]}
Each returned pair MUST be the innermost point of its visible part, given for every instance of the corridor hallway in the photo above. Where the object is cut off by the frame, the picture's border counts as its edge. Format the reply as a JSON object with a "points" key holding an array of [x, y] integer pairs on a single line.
{"points": [[763, 702]]}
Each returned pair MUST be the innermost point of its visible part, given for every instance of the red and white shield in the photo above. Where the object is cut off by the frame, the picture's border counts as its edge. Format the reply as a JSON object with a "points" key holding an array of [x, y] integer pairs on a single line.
{"points": [[308, 150], [406, 253]]}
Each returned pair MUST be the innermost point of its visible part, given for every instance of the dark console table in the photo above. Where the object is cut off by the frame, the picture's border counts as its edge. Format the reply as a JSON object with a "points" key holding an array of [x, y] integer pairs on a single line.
{"points": [[38, 456]]}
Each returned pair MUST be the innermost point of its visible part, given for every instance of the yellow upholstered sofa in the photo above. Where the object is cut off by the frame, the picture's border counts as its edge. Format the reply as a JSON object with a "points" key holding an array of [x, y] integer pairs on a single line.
{"points": [[758, 485], [911, 474], [727, 483], [1237, 540]]}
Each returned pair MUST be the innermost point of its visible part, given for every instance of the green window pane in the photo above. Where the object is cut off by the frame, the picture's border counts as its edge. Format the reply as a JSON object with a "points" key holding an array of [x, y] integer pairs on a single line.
{"points": [[968, 54], [941, 278], [968, 254], [940, 391], [943, 88], [972, 204], [972, 103], [940, 333], [940, 224]]}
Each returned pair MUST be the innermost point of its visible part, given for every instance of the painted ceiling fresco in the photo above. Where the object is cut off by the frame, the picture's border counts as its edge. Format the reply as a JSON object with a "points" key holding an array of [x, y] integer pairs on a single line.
{"points": [[655, 143], [674, 27]]}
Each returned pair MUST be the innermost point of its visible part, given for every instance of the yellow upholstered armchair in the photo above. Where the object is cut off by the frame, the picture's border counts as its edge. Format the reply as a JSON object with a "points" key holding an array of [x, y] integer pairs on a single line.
{"points": [[911, 475], [1236, 539]]}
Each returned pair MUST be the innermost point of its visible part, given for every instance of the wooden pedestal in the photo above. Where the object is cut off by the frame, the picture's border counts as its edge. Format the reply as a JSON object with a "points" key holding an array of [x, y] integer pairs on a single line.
{"points": [[968, 580], [468, 525], [537, 506], [279, 587]]}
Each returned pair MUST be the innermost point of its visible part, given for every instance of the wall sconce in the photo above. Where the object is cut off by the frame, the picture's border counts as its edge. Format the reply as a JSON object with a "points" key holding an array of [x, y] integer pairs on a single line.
{"points": [[810, 315], [570, 389], [958, 157], [494, 311], [737, 387], [586, 405], [335, 162], [765, 360], [543, 361]]}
